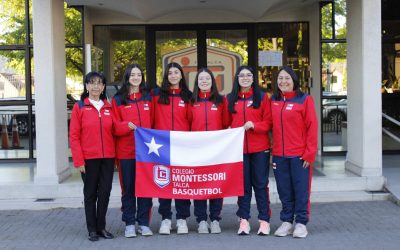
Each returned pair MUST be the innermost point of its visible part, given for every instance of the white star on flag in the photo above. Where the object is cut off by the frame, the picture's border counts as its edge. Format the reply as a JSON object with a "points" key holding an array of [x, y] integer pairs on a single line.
{"points": [[153, 146]]}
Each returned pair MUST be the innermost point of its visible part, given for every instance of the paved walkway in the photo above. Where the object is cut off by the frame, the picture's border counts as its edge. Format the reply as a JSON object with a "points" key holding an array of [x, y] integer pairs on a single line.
{"points": [[347, 225]]}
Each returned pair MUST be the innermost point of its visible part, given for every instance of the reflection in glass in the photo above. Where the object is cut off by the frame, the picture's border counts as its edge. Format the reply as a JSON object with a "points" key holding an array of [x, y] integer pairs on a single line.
{"points": [[12, 22], [179, 47], [226, 51], [334, 126], [73, 25], [125, 53], [32, 72], [326, 21], [12, 74], [14, 132], [340, 19], [74, 71], [120, 46], [334, 69], [283, 44]]}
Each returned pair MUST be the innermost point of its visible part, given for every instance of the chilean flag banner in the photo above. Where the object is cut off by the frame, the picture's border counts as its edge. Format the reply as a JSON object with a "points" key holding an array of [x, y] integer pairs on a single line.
{"points": [[189, 165]]}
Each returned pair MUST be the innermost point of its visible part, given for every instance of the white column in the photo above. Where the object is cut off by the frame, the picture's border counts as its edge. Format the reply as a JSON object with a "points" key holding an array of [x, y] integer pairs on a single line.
{"points": [[364, 156], [50, 92], [315, 63]]}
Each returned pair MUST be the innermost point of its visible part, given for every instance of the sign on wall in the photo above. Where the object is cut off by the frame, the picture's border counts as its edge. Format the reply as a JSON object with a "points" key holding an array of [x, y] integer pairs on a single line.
{"points": [[222, 63]]}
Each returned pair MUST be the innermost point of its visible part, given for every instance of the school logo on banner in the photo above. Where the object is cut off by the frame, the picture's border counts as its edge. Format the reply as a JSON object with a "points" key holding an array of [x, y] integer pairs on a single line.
{"points": [[185, 165], [161, 175]]}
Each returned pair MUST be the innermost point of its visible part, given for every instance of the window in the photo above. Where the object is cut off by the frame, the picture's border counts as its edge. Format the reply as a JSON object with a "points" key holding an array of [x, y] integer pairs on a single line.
{"points": [[333, 74]]}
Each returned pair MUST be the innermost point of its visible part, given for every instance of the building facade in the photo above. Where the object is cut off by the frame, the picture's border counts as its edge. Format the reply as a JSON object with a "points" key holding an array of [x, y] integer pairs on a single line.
{"points": [[334, 46]]}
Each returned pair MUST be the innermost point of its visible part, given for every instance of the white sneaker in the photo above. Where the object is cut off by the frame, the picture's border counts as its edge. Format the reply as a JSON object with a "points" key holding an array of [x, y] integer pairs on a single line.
{"points": [[130, 231], [145, 231], [181, 226], [244, 227], [300, 231], [215, 228], [264, 228], [285, 229], [165, 227], [203, 227]]}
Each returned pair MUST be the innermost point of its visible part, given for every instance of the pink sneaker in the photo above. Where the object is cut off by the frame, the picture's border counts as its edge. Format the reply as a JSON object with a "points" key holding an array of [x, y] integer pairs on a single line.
{"points": [[264, 228], [244, 227]]}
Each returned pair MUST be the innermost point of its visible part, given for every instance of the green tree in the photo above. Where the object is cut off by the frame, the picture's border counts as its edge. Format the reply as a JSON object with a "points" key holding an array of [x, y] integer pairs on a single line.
{"points": [[12, 32]]}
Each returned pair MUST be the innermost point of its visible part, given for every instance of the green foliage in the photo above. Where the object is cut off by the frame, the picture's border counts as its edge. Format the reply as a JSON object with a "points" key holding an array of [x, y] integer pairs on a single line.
{"points": [[125, 53], [12, 30], [12, 22], [334, 53]]}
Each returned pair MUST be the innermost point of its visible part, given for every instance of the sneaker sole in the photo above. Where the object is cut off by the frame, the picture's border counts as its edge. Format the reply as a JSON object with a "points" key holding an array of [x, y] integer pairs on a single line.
{"points": [[216, 232], [182, 232], [283, 235], [243, 233], [146, 234], [164, 232], [130, 236], [262, 234], [300, 236]]}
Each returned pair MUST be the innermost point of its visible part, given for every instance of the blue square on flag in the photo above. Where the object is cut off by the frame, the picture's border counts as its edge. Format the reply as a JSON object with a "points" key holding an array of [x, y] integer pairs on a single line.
{"points": [[152, 146]]}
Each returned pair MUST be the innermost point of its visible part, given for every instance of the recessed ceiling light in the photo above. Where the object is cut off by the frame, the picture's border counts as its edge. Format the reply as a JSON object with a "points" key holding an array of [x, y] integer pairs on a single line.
{"points": [[100, 4], [203, 1]]}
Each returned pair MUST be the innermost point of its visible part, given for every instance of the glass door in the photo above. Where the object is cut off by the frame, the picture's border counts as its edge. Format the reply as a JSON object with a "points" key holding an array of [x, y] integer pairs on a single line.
{"points": [[178, 46], [226, 51]]}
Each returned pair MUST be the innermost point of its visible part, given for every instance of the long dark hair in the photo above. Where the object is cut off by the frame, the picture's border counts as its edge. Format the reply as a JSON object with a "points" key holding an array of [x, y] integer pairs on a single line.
{"points": [[124, 91], [234, 95], [90, 76], [296, 83], [185, 93], [215, 97]]}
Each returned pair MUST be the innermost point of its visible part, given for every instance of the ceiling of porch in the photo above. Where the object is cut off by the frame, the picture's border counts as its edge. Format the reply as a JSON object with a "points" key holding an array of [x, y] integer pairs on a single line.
{"points": [[147, 10]]}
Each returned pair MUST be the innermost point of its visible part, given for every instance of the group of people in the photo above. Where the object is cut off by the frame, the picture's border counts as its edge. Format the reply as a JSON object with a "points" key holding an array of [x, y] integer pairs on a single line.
{"points": [[102, 134]]}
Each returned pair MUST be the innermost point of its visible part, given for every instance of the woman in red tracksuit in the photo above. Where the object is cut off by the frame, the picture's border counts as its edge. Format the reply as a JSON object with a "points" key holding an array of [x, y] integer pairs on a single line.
{"points": [[171, 103], [207, 112], [295, 129], [93, 151], [132, 103], [249, 107]]}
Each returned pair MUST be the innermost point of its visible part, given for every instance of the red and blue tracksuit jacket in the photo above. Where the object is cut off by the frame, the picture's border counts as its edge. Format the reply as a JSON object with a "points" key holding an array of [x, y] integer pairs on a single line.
{"points": [[257, 139], [295, 126], [91, 132], [137, 110], [204, 115], [172, 116]]}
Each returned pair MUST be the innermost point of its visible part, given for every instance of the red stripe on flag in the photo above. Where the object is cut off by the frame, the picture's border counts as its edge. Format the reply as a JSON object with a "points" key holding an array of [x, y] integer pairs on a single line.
{"points": [[205, 182]]}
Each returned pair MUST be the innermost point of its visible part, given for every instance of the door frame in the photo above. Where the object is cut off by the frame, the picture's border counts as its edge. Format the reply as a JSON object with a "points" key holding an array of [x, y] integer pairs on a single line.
{"points": [[201, 36]]}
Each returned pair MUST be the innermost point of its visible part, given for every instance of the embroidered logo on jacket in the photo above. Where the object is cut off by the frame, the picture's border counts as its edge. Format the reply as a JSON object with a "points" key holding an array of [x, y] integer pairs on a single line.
{"points": [[181, 103], [290, 106]]}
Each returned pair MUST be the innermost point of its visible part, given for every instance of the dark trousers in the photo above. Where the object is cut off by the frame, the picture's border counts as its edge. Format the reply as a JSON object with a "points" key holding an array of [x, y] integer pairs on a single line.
{"points": [[127, 178], [255, 173], [294, 184], [182, 208], [96, 190], [200, 209]]}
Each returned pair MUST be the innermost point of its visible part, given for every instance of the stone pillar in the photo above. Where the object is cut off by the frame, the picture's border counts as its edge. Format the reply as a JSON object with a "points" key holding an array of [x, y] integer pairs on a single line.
{"points": [[50, 92], [315, 65], [364, 134]]}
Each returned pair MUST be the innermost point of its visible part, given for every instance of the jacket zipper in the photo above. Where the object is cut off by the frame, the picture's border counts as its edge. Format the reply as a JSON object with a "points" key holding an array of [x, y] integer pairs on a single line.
{"points": [[205, 109], [173, 95], [101, 133], [138, 110], [283, 141], [244, 117]]}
